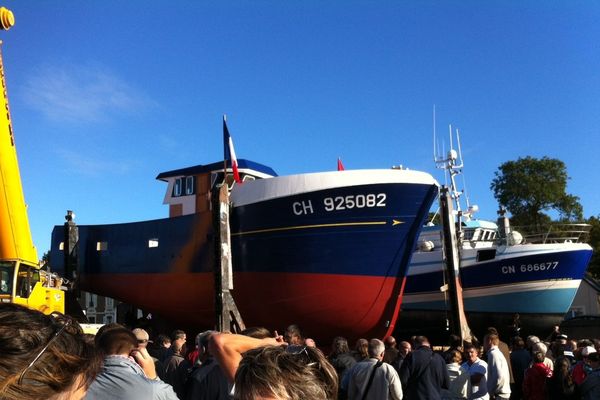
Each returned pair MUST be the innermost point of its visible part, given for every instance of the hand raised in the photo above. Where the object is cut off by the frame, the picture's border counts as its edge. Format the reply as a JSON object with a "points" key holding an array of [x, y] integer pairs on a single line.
{"points": [[145, 361]]}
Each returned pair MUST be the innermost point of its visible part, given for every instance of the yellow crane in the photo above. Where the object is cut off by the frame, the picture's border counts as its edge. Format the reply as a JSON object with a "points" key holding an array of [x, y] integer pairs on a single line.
{"points": [[22, 280]]}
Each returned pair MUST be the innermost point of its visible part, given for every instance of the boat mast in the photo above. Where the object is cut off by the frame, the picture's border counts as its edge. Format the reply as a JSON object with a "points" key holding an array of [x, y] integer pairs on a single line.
{"points": [[452, 163]]}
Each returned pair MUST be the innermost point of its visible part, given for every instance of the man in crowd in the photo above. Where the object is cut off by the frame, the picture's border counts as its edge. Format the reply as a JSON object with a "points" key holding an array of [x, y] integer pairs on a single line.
{"points": [[423, 373], [143, 340], [477, 370], [504, 349], [206, 379], [293, 335], [176, 366], [123, 378], [391, 351], [405, 349], [590, 388], [159, 347], [372, 378], [579, 371], [519, 360], [498, 379]]}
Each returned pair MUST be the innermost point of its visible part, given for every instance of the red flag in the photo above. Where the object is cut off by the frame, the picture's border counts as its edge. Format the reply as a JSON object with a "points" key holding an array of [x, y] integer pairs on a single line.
{"points": [[230, 152], [340, 165]]}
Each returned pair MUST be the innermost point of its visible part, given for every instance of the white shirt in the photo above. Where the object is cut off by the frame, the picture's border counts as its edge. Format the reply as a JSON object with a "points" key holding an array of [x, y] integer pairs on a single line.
{"points": [[498, 379], [478, 391]]}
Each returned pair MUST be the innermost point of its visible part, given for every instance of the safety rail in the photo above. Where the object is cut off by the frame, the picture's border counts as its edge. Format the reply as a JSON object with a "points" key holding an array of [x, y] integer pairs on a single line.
{"points": [[554, 233]]}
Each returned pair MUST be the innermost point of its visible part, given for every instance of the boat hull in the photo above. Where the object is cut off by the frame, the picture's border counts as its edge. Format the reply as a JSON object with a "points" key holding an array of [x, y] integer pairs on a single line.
{"points": [[538, 282], [273, 300], [303, 256]]}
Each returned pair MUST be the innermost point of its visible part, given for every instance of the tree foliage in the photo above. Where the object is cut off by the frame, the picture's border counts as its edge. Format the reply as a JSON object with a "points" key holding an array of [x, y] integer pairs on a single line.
{"points": [[529, 187], [594, 241]]}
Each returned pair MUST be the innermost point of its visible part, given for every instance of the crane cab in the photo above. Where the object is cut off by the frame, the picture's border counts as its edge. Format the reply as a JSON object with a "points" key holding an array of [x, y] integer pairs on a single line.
{"points": [[30, 286]]}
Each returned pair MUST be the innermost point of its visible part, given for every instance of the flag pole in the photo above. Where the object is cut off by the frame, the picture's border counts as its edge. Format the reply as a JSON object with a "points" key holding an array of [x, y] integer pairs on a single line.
{"points": [[224, 149]]}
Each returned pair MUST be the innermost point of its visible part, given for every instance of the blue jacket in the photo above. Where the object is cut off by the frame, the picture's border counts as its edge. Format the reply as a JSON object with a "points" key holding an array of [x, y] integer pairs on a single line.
{"points": [[123, 379], [423, 375]]}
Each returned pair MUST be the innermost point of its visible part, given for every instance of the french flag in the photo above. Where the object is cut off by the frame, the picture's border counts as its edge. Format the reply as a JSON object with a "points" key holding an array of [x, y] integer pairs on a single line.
{"points": [[340, 165], [229, 151]]}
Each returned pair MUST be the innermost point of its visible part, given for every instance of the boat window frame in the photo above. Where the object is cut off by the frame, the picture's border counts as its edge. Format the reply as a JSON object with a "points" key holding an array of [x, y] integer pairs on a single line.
{"points": [[178, 187], [217, 178], [190, 185]]}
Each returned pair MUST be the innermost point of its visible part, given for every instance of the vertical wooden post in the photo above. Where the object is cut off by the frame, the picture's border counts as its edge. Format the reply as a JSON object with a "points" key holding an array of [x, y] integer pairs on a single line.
{"points": [[228, 317], [458, 323], [70, 242]]}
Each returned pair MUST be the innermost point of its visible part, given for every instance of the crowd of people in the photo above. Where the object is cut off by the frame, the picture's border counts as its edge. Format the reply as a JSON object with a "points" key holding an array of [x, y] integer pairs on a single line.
{"points": [[49, 357]]}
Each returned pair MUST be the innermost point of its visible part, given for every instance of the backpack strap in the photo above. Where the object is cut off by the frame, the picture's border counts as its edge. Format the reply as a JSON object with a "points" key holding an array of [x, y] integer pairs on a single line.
{"points": [[377, 365]]}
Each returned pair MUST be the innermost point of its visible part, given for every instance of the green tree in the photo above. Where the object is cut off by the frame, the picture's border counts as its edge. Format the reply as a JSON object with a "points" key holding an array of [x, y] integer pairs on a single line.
{"points": [[530, 186], [594, 241], [45, 261], [434, 218]]}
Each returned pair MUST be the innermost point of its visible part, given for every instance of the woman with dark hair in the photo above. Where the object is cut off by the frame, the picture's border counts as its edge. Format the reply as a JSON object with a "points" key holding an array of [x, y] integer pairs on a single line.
{"points": [[561, 385], [43, 356], [340, 356]]}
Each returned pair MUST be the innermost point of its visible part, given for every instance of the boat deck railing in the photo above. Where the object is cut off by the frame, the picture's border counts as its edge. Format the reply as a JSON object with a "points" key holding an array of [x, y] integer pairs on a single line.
{"points": [[554, 233]]}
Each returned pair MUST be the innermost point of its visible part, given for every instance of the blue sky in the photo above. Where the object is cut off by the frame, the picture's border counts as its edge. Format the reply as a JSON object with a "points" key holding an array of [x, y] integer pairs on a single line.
{"points": [[106, 94]]}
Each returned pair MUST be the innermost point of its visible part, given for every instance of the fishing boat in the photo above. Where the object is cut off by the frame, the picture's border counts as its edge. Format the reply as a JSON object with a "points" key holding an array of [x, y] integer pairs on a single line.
{"points": [[328, 251], [510, 279]]}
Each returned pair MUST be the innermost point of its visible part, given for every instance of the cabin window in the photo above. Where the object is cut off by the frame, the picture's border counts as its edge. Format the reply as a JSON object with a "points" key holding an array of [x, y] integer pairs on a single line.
{"points": [[177, 188], [26, 280], [247, 178], [217, 179], [214, 178], [576, 311], [190, 187], [184, 186], [230, 180], [485, 255], [6, 277], [61, 246], [152, 243], [101, 246]]}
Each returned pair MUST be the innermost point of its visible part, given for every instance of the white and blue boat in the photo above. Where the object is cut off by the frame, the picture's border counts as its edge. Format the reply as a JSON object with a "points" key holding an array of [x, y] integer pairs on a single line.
{"points": [[509, 280], [536, 279]]}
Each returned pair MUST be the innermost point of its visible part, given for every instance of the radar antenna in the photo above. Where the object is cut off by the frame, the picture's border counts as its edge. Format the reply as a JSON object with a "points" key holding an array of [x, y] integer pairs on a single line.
{"points": [[452, 163]]}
